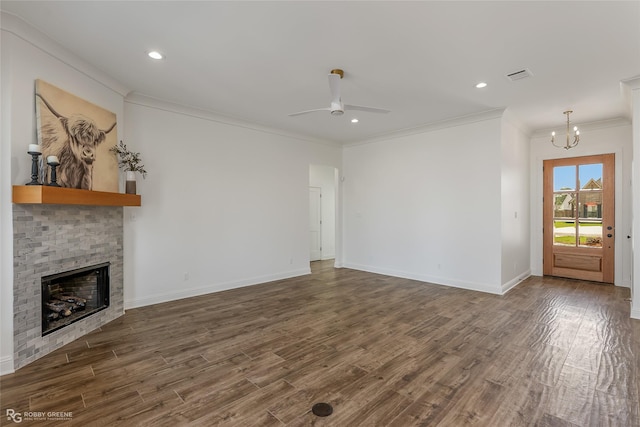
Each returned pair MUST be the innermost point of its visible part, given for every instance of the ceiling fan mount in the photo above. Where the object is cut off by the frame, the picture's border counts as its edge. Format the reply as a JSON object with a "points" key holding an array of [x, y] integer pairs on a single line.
{"points": [[337, 108], [338, 71]]}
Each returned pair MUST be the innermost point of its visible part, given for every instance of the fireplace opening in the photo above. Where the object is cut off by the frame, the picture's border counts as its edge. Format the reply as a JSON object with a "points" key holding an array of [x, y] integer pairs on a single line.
{"points": [[70, 296]]}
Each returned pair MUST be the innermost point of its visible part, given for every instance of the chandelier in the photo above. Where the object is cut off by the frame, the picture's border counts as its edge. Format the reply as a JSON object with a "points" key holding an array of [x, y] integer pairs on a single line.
{"points": [[576, 135]]}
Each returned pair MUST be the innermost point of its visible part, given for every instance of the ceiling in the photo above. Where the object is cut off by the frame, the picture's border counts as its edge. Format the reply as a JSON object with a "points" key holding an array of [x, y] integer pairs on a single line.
{"points": [[260, 61]]}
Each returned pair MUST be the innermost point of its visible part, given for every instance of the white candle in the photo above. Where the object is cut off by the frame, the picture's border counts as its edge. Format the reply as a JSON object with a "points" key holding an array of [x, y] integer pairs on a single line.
{"points": [[35, 148], [52, 159]]}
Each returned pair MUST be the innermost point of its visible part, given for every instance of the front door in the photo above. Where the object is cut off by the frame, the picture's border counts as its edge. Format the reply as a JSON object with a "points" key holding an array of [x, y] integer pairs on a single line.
{"points": [[579, 228]]}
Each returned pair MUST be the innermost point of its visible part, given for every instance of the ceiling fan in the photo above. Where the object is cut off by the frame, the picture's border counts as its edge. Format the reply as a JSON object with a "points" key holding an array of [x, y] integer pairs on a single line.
{"points": [[337, 108]]}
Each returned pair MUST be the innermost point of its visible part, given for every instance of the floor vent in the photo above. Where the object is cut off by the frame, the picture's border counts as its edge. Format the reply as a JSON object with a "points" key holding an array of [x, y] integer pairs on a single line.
{"points": [[519, 75], [322, 409]]}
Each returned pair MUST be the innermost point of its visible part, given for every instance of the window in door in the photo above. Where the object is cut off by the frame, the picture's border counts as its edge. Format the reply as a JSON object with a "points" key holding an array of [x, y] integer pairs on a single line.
{"points": [[577, 195]]}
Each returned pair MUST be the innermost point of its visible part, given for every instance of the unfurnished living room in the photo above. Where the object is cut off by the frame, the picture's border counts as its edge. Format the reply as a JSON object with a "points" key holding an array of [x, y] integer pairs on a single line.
{"points": [[340, 213]]}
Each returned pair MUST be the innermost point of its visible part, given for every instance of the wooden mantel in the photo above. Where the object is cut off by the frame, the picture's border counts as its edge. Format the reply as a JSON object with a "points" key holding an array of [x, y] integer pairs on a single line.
{"points": [[43, 194]]}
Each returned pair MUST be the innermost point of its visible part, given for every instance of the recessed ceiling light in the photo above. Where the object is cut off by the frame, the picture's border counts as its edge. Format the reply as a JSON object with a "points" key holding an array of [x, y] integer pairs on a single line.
{"points": [[154, 54], [481, 85], [354, 120]]}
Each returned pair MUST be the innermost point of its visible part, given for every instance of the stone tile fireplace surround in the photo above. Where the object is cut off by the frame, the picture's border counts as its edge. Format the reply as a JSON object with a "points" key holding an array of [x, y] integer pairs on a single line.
{"points": [[50, 239]]}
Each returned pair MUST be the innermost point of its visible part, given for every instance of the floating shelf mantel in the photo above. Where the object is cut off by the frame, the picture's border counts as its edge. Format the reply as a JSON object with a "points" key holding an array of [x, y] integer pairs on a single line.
{"points": [[43, 194]]}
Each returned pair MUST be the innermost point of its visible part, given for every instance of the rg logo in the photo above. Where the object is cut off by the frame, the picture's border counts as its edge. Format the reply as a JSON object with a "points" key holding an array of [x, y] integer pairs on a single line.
{"points": [[14, 416]]}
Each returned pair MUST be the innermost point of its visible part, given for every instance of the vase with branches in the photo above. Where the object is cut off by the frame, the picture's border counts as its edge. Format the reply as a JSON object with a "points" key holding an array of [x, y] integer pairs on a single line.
{"points": [[130, 162]]}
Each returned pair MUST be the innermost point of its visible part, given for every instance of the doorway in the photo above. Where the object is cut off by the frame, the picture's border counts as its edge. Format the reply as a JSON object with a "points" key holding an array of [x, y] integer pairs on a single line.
{"points": [[315, 223], [579, 218], [322, 212]]}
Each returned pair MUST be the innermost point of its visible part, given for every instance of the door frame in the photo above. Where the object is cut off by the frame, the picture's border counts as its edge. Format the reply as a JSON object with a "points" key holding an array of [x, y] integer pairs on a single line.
{"points": [[318, 191], [332, 195], [610, 218]]}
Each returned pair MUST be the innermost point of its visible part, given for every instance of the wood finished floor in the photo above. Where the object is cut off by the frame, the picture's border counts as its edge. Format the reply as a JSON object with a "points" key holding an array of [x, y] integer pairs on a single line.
{"points": [[382, 350]]}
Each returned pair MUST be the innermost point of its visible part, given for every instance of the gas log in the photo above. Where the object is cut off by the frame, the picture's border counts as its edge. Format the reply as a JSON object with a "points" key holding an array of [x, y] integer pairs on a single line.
{"points": [[63, 305], [60, 307], [71, 299]]}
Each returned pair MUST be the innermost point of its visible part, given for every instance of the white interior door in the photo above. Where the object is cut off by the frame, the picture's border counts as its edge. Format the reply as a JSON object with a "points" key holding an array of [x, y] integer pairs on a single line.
{"points": [[315, 223]]}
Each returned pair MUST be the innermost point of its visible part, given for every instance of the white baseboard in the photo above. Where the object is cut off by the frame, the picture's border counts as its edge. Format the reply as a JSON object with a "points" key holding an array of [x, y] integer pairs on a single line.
{"points": [[6, 365], [506, 287], [445, 281], [624, 284], [635, 313], [214, 287]]}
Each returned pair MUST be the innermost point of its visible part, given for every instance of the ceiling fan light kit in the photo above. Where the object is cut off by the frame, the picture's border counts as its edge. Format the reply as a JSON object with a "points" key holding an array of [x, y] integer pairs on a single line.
{"points": [[336, 107]]}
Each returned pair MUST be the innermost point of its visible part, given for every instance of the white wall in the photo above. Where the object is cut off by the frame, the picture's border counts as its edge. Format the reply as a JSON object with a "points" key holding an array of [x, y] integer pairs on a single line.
{"points": [[515, 203], [325, 178], [27, 55], [633, 87], [6, 224], [595, 138], [224, 204], [427, 205]]}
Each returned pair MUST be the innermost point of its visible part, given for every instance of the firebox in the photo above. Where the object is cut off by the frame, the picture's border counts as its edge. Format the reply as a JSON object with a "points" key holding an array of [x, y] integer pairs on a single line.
{"points": [[70, 296]]}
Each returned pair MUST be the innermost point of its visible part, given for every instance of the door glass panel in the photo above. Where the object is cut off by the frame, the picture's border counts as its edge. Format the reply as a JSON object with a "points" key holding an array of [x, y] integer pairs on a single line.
{"points": [[564, 178], [590, 176], [590, 234], [590, 205], [565, 206], [564, 232]]}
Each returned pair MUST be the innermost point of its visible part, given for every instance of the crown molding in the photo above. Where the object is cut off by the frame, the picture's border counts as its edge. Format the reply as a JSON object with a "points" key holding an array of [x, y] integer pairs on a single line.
{"points": [[587, 126], [514, 120], [16, 26], [136, 98], [627, 87], [443, 124], [632, 83]]}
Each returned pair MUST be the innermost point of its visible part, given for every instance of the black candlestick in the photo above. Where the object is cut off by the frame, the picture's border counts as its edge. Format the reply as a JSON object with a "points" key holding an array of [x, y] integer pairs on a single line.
{"points": [[53, 182], [34, 168]]}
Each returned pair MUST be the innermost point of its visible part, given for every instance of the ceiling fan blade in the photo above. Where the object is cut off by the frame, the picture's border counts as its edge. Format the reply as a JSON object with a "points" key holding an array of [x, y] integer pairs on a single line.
{"points": [[299, 113], [334, 87], [367, 109]]}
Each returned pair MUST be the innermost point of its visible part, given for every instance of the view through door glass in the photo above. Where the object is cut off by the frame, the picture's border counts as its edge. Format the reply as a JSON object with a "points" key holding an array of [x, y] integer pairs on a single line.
{"points": [[577, 195]]}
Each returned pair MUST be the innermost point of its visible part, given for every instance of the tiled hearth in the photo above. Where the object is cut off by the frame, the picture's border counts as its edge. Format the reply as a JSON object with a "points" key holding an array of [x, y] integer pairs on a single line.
{"points": [[49, 239]]}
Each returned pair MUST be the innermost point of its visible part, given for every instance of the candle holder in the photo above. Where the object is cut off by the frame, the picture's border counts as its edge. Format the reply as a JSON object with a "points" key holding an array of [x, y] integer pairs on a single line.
{"points": [[53, 166], [34, 168]]}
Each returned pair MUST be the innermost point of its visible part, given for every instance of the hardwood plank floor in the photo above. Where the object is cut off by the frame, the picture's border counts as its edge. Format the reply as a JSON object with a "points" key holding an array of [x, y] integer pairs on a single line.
{"points": [[382, 350]]}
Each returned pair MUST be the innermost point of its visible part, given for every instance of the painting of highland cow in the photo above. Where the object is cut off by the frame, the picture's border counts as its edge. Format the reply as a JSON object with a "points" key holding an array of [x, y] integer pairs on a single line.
{"points": [[80, 134]]}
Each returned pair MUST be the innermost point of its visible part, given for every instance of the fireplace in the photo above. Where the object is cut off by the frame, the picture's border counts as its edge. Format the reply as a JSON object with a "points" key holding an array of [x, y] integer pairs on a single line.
{"points": [[73, 295], [52, 238]]}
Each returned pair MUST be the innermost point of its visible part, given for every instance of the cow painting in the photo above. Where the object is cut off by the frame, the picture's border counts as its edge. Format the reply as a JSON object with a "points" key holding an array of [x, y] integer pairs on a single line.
{"points": [[75, 138]]}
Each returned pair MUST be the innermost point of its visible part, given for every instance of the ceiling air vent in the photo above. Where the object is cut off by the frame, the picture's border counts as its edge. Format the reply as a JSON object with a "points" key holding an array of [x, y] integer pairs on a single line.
{"points": [[519, 75]]}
